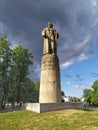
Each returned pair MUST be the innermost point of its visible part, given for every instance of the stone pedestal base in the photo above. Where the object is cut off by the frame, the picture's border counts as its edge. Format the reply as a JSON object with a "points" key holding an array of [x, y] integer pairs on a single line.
{"points": [[46, 107], [50, 88]]}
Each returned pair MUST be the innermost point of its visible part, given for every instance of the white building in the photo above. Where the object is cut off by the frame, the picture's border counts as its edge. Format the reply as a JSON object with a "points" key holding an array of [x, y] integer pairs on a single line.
{"points": [[82, 99], [67, 99]]}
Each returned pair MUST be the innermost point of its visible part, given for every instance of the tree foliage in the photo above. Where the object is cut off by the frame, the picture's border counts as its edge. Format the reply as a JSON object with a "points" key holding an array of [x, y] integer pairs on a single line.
{"points": [[30, 91], [5, 62], [75, 99], [94, 98], [91, 95], [87, 95], [62, 93], [14, 72], [36, 87], [20, 69]]}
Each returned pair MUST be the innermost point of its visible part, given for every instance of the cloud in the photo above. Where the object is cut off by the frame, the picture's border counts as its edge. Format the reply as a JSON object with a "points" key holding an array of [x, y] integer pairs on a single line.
{"points": [[36, 71], [67, 63], [94, 75], [76, 22], [67, 75], [68, 82], [2, 29], [79, 86], [83, 86], [79, 77]]}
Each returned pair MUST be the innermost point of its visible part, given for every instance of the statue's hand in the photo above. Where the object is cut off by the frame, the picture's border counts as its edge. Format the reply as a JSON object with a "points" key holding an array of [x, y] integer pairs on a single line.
{"points": [[44, 36]]}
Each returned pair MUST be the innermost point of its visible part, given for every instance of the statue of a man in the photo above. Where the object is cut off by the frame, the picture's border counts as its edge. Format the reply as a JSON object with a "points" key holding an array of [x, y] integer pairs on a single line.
{"points": [[50, 35]]}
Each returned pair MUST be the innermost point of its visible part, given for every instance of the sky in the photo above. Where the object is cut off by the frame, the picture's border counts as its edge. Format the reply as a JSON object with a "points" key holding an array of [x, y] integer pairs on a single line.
{"points": [[77, 24]]}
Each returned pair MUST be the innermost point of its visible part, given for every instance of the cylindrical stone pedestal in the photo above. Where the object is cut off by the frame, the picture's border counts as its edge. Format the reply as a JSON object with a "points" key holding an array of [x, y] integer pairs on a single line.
{"points": [[50, 88]]}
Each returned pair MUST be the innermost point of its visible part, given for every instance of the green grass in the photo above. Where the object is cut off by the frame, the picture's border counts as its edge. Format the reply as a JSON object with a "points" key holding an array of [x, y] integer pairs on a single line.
{"points": [[57, 120]]}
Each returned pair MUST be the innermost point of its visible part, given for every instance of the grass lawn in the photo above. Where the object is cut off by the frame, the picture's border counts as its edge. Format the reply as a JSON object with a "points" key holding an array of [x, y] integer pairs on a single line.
{"points": [[57, 120]]}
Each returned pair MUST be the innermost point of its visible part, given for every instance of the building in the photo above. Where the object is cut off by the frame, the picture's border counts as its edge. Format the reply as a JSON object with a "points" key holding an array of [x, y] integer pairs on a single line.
{"points": [[67, 99]]}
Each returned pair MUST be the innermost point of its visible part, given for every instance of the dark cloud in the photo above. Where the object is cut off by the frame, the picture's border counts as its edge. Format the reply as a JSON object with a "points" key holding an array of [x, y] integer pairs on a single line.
{"points": [[79, 77], [76, 22]]}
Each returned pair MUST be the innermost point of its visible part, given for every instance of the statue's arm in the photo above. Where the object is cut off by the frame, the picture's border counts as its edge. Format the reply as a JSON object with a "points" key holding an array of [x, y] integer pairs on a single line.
{"points": [[56, 34], [44, 33]]}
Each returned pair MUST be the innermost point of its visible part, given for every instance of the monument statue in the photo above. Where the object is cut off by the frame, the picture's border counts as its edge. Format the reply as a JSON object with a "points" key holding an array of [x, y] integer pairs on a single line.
{"points": [[50, 84], [50, 35], [50, 87]]}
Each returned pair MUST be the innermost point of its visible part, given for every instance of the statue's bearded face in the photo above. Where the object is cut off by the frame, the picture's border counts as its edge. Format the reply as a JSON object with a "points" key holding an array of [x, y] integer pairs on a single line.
{"points": [[50, 25]]}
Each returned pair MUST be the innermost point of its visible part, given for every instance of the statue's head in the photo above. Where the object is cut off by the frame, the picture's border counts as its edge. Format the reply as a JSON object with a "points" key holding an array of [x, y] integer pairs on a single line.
{"points": [[50, 25]]}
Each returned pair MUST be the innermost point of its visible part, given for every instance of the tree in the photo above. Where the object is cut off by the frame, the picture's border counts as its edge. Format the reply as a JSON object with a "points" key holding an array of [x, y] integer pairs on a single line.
{"points": [[30, 91], [87, 93], [75, 99], [5, 62], [62, 93], [14, 72], [21, 61], [36, 87], [27, 90], [94, 98]]}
